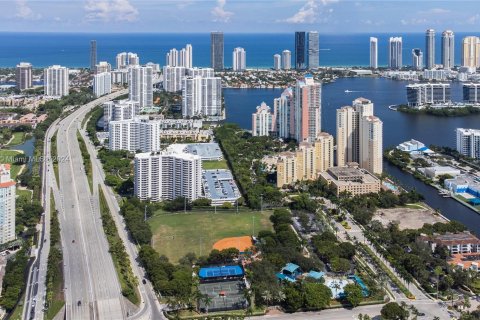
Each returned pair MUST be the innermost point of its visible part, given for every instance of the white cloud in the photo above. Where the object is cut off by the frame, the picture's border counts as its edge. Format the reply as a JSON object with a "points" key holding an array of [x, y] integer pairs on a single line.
{"points": [[25, 12], [182, 4], [219, 13], [413, 21], [473, 19], [107, 10], [306, 14], [435, 11]]}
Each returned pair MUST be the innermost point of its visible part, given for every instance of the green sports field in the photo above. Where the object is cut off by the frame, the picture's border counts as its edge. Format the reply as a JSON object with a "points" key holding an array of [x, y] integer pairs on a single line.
{"points": [[175, 235]]}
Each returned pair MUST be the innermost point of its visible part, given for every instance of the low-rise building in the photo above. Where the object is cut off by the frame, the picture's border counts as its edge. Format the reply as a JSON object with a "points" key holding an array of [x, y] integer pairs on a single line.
{"points": [[462, 242], [435, 172], [421, 94], [220, 187], [351, 179]]}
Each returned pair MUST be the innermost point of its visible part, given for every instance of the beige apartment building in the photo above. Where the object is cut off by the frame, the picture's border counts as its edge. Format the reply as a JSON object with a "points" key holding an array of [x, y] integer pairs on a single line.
{"points": [[471, 52], [306, 162], [352, 179], [359, 136]]}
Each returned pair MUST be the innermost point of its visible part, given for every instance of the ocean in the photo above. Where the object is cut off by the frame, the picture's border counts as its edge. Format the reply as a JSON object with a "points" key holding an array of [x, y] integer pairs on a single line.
{"points": [[73, 49]]}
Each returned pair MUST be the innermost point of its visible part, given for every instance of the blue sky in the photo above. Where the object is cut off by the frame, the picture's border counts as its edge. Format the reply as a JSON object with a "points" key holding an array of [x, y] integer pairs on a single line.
{"points": [[249, 16]]}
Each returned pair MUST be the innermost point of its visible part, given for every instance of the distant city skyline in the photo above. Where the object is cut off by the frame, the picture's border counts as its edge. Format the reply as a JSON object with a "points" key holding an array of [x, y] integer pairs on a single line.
{"points": [[265, 16]]}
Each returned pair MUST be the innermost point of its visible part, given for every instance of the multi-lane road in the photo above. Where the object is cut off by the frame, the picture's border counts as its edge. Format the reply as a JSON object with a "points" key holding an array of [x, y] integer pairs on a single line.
{"points": [[92, 289]]}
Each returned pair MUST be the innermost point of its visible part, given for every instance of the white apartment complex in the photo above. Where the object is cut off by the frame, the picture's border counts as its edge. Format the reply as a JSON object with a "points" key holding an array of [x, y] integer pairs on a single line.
{"points": [[201, 96], [202, 72], [125, 59], [167, 175], [102, 83], [136, 134], [286, 59], [468, 142], [395, 53], [7, 205], [56, 81], [172, 78], [277, 61], [103, 66], [119, 110], [373, 53], [239, 59], [140, 85], [23, 76], [263, 121], [283, 107]]}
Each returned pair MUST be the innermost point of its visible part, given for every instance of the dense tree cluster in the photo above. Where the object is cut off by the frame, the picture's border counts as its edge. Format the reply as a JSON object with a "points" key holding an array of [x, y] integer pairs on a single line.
{"points": [[14, 280], [134, 216], [93, 116], [393, 311], [243, 152], [306, 295], [336, 255], [118, 167]]}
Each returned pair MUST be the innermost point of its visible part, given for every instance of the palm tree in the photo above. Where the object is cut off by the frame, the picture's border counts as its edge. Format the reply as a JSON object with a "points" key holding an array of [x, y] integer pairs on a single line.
{"points": [[438, 272], [336, 286], [207, 301], [449, 282], [267, 297]]}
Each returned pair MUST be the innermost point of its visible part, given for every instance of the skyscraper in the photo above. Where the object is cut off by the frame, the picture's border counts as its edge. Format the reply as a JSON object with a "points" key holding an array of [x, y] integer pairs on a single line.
{"points": [[286, 60], [201, 96], [102, 83], [125, 59], [277, 61], [188, 56], [301, 50], [93, 54], [471, 52], [7, 205], [140, 85], [448, 49], [373, 52], [171, 59], [430, 49], [263, 121], [216, 50], [103, 66], [359, 136], [172, 78], [283, 107], [239, 59], [417, 59], [23, 76], [468, 142], [395, 53], [313, 50], [55, 80], [307, 109]]}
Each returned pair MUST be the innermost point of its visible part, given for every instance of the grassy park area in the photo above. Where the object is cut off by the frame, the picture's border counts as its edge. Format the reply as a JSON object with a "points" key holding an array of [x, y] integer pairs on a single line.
{"points": [[214, 164], [175, 235], [6, 156], [18, 138]]}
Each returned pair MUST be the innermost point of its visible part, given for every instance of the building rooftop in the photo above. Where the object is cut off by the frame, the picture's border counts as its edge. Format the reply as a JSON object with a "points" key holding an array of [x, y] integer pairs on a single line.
{"points": [[206, 151], [449, 239], [219, 186]]}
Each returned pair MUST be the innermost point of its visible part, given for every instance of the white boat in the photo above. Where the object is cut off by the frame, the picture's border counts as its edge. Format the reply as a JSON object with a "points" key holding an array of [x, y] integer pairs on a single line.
{"points": [[348, 91]]}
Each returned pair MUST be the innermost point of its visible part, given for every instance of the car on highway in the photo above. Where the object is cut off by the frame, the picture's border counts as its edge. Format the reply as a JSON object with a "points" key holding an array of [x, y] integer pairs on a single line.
{"points": [[73, 241], [79, 303], [144, 281]]}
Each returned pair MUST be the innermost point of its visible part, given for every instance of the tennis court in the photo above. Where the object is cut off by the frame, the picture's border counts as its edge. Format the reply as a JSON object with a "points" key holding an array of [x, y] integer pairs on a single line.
{"points": [[224, 295], [220, 272]]}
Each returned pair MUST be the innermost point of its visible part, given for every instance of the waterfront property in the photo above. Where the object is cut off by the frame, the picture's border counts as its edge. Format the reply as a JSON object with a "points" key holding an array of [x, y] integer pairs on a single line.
{"points": [[422, 94], [436, 171], [467, 186], [462, 242], [414, 146], [351, 179], [468, 142]]}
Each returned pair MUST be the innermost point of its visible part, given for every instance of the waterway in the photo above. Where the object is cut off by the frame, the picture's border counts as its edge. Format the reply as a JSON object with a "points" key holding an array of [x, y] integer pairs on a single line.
{"points": [[28, 146], [397, 127]]}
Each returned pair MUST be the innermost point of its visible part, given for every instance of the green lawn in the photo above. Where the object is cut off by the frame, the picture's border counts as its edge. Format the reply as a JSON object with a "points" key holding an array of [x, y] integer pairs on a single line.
{"points": [[175, 235], [6, 156], [23, 192], [18, 138], [214, 164]]}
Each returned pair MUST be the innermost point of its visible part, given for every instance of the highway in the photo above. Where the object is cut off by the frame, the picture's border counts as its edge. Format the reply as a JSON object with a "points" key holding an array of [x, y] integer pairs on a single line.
{"points": [[92, 289]]}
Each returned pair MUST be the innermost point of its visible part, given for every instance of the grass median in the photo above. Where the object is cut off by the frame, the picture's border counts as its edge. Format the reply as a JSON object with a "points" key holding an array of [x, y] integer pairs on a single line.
{"points": [[55, 298], [87, 162], [175, 235], [54, 157], [128, 281]]}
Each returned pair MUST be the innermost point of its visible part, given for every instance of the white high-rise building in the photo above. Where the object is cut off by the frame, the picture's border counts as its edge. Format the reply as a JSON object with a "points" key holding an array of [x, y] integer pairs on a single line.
{"points": [[135, 134], [185, 58], [140, 85], [373, 53], [202, 72], [430, 48], [313, 50], [263, 121], [7, 205], [448, 49], [359, 136], [283, 107], [395, 53], [102, 84], [239, 59], [167, 175], [286, 60], [172, 58], [172, 78], [468, 142], [417, 59], [277, 61], [201, 96], [307, 99], [23, 76], [103, 66], [56, 81], [119, 110], [125, 59]]}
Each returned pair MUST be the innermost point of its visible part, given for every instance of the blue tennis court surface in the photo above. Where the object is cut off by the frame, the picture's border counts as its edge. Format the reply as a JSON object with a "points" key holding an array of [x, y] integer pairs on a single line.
{"points": [[223, 271]]}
